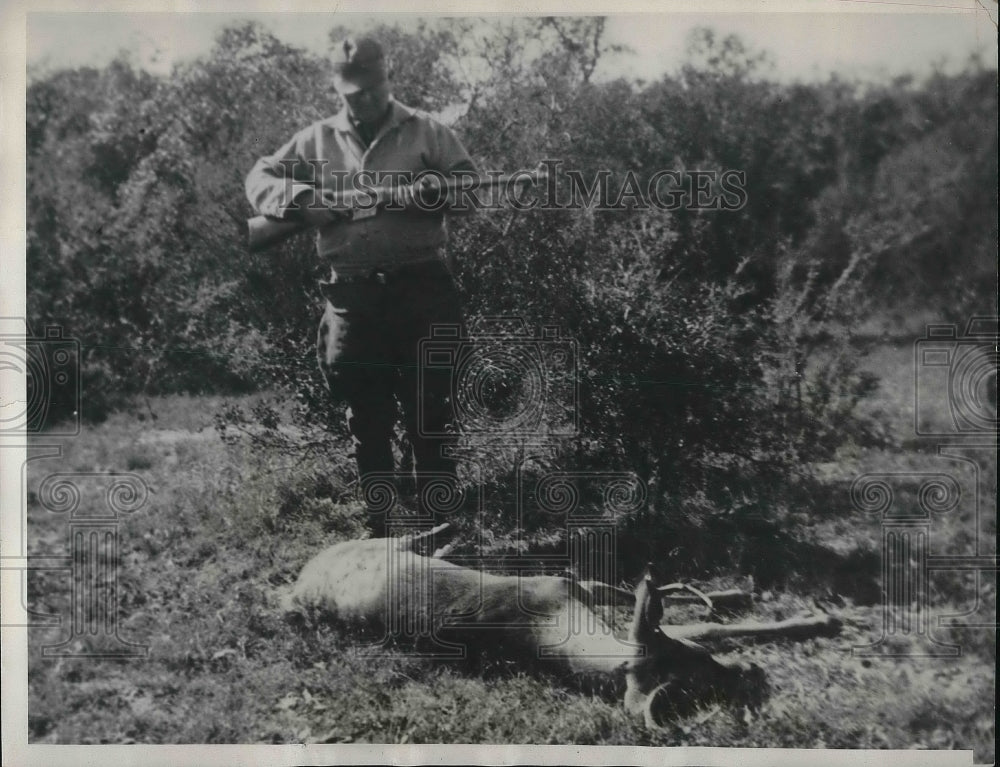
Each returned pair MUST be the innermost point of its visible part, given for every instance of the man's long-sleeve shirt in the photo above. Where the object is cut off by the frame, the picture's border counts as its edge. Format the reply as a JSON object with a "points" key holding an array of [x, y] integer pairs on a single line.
{"points": [[330, 154]]}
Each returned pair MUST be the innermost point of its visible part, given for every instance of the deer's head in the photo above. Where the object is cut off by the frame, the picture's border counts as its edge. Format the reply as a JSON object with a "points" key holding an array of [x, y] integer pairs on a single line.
{"points": [[669, 675]]}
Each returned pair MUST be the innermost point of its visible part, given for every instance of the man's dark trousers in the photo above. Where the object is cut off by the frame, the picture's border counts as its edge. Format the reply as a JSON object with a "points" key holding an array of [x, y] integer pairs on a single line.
{"points": [[369, 352]]}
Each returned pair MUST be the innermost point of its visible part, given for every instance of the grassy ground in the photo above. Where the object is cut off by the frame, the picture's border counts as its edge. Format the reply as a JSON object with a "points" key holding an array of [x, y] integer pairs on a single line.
{"points": [[226, 526]]}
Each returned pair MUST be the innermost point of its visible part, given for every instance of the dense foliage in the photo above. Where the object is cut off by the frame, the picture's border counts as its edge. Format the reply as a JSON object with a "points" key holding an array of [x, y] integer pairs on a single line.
{"points": [[710, 341]]}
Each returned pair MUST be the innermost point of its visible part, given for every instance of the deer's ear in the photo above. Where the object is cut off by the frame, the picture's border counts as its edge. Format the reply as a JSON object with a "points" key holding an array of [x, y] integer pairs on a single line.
{"points": [[651, 575], [648, 605], [659, 707], [326, 289]]}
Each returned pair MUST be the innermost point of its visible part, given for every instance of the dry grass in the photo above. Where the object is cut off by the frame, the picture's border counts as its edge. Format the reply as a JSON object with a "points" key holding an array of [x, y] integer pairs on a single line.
{"points": [[225, 527]]}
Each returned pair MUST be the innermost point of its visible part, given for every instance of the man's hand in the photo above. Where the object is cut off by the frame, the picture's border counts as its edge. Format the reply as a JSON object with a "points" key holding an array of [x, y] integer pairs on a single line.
{"points": [[424, 193], [315, 210]]}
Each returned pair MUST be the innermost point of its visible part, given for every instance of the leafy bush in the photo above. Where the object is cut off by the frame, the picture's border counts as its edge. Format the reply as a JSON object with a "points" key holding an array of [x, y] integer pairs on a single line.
{"points": [[715, 346]]}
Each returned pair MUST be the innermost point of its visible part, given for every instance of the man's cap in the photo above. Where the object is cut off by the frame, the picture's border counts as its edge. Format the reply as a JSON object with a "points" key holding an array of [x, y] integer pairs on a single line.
{"points": [[358, 63]]}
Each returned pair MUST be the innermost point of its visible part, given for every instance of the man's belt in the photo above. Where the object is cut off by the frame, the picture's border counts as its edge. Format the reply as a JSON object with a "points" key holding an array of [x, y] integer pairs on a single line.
{"points": [[342, 284]]}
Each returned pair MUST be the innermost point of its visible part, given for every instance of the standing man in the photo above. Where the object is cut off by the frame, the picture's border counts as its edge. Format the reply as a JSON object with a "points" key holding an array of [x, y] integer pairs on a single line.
{"points": [[390, 282]]}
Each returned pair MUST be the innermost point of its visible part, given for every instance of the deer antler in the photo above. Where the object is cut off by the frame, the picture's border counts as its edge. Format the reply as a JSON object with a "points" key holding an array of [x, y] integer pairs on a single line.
{"points": [[601, 593], [688, 587]]}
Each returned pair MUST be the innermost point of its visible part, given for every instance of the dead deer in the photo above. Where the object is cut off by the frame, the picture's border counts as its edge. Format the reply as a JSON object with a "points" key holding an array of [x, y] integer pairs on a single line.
{"points": [[384, 587]]}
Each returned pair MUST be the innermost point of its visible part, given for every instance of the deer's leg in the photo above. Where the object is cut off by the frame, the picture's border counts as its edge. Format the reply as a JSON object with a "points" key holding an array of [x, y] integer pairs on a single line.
{"points": [[805, 627]]}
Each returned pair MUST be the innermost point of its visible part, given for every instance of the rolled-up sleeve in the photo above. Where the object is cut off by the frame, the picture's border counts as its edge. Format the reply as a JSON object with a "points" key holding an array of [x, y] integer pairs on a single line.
{"points": [[276, 180], [450, 155]]}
